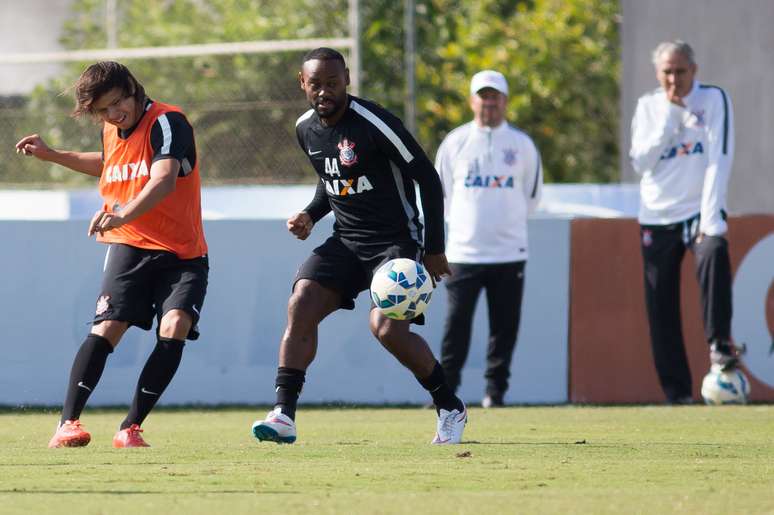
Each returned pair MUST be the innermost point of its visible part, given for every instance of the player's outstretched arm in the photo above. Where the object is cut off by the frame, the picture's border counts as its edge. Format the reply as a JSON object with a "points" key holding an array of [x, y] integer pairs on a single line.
{"points": [[300, 225], [162, 182], [89, 163]]}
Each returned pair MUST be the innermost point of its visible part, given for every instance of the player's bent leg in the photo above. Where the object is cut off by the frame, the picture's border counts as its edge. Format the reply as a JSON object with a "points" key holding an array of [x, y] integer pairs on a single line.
{"points": [[156, 375], [86, 371], [414, 353], [309, 304], [409, 348]]}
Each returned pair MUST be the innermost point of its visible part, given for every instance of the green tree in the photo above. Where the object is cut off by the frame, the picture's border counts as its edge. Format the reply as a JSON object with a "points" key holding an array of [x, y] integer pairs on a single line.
{"points": [[243, 106], [561, 58]]}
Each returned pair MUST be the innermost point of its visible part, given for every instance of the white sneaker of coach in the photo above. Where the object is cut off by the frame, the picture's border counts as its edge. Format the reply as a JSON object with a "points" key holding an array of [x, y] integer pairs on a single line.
{"points": [[450, 426]]}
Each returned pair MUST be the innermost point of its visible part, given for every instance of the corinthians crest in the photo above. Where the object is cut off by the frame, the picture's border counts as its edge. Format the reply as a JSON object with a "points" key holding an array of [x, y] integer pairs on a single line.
{"points": [[102, 304], [347, 155], [509, 156]]}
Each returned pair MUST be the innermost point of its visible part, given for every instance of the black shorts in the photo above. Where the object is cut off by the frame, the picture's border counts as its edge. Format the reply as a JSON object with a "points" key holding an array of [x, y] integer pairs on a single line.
{"points": [[347, 267], [139, 284]]}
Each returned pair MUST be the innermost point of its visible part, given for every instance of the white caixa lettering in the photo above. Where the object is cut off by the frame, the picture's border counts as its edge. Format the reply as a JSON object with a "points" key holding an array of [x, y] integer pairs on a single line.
{"points": [[126, 172], [344, 187]]}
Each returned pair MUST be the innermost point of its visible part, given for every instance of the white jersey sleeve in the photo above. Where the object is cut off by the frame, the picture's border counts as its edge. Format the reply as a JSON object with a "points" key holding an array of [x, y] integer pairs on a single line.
{"points": [[533, 182], [720, 156]]}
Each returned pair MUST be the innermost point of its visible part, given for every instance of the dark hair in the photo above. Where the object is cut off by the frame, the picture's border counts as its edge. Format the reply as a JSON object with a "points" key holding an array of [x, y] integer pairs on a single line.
{"points": [[324, 54], [101, 77]]}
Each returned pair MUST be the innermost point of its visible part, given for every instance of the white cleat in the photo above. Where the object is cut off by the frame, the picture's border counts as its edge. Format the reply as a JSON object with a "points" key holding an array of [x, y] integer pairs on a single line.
{"points": [[450, 426], [276, 427]]}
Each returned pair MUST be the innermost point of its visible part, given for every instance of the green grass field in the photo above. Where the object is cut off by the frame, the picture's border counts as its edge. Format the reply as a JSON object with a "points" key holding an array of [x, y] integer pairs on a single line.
{"points": [[692, 459]]}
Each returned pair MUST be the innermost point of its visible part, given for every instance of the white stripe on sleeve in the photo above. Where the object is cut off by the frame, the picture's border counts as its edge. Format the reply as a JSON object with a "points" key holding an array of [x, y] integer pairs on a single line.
{"points": [[166, 132], [384, 128], [304, 116]]}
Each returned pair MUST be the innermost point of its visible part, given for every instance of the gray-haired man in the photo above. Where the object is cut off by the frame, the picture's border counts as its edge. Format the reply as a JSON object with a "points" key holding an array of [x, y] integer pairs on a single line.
{"points": [[683, 147]]}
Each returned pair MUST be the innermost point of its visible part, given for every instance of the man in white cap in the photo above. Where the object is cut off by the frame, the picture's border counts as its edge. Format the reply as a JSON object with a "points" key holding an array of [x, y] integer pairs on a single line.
{"points": [[492, 179]]}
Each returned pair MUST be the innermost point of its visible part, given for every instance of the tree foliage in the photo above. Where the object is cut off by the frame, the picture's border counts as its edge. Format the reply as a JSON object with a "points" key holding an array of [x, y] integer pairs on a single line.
{"points": [[561, 58]]}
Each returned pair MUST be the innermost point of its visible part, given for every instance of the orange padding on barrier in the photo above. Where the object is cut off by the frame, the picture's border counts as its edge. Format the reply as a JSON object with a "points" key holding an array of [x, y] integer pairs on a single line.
{"points": [[610, 356]]}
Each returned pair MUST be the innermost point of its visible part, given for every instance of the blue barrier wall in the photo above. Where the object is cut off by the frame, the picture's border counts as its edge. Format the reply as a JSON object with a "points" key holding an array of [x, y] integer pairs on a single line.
{"points": [[52, 277]]}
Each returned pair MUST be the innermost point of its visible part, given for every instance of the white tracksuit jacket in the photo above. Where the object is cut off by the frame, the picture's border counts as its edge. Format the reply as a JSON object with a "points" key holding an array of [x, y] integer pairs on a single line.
{"points": [[684, 156], [492, 179]]}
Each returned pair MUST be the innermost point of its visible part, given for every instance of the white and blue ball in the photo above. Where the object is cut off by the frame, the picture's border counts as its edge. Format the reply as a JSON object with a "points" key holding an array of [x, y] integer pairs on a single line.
{"points": [[729, 387], [401, 289]]}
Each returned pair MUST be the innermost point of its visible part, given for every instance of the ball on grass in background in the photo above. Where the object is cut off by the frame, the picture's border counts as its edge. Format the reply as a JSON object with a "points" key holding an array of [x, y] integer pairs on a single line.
{"points": [[401, 289], [729, 387]]}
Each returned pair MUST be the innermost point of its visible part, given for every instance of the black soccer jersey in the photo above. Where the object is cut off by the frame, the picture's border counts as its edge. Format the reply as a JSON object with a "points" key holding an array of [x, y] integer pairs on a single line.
{"points": [[367, 164]]}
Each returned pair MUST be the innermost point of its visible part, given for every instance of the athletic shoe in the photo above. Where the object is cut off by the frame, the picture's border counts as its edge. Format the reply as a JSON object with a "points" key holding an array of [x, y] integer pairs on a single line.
{"points": [[682, 400], [277, 427], [725, 355], [450, 426], [129, 437], [492, 401], [69, 434]]}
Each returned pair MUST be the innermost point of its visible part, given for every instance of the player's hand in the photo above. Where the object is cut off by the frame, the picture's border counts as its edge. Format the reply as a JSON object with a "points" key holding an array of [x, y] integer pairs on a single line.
{"points": [[300, 225], [102, 221], [33, 145], [437, 266]]}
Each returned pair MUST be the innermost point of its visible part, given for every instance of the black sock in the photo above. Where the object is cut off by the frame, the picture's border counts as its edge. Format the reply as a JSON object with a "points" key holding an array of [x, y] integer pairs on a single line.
{"points": [[289, 383], [87, 369], [154, 379], [443, 396]]}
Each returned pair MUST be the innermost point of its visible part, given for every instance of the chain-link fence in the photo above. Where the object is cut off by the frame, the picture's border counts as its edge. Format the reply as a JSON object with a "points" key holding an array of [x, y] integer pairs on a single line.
{"points": [[243, 109]]}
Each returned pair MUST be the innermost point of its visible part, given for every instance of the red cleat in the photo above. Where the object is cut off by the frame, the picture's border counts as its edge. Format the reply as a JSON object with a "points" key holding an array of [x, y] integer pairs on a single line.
{"points": [[129, 437], [69, 434]]}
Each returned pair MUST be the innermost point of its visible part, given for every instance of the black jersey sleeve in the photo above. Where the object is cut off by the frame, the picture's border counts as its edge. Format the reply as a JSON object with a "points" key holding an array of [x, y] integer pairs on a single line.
{"points": [[399, 145], [320, 205], [172, 137]]}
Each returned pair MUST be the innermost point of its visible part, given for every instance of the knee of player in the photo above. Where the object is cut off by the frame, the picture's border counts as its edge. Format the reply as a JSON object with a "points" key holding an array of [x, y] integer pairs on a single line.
{"points": [[383, 330], [111, 330], [175, 324], [302, 301]]}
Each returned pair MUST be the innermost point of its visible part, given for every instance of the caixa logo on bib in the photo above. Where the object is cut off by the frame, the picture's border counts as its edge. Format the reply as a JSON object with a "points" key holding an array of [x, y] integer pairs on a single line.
{"points": [[754, 309]]}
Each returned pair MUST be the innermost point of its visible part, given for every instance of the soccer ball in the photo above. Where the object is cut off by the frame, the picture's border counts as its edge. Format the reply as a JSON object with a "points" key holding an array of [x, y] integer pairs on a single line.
{"points": [[730, 387], [401, 289]]}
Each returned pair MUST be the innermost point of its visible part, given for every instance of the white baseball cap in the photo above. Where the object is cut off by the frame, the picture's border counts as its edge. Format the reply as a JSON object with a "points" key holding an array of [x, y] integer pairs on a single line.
{"points": [[488, 79]]}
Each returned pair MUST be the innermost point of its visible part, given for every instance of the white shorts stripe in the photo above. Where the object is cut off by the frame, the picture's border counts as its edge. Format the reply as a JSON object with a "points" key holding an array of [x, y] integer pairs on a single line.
{"points": [[384, 128], [107, 256]]}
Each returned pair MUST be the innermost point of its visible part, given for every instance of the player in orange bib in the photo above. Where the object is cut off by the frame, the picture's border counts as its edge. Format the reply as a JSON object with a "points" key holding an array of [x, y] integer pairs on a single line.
{"points": [[156, 264]]}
